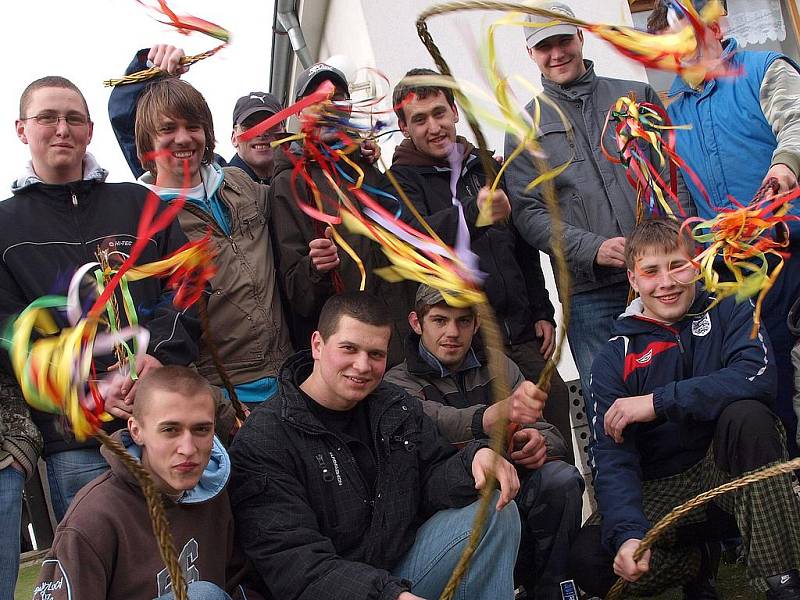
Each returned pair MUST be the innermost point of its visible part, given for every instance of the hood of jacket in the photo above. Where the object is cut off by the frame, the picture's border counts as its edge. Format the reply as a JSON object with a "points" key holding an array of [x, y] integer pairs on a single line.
{"points": [[211, 176], [417, 365], [294, 409], [407, 154], [92, 171], [631, 322], [212, 481]]}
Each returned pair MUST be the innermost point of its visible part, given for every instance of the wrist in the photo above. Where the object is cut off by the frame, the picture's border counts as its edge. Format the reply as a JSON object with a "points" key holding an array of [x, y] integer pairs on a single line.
{"points": [[478, 426]]}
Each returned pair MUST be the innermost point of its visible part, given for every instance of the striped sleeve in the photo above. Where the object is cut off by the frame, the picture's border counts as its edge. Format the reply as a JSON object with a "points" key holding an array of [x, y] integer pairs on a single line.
{"points": [[780, 103]]}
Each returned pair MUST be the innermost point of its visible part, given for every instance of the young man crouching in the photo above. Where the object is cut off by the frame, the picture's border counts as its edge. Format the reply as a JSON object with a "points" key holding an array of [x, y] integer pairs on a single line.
{"points": [[105, 547], [680, 403], [343, 489]]}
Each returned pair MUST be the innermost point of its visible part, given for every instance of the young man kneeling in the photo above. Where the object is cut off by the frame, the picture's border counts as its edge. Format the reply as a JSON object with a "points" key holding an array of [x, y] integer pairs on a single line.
{"points": [[105, 547], [344, 490], [446, 367], [680, 399]]}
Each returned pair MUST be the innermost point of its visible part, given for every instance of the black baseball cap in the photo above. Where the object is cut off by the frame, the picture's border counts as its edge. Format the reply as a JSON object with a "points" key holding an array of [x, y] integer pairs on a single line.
{"points": [[309, 80], [253, 103]]}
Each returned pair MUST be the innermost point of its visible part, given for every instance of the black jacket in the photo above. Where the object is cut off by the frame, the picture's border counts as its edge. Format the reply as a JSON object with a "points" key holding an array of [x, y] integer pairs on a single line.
{"points": [[303, 287], [51, 230], [514, 284], [303, 513]]}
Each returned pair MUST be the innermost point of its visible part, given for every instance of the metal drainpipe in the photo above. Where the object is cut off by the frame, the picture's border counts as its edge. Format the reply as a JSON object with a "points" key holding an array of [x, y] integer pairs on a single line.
{"points": [[287, 17]]}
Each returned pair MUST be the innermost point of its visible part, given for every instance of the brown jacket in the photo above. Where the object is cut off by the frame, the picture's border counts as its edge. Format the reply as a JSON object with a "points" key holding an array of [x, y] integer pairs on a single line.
{"points": [[247, 322]]}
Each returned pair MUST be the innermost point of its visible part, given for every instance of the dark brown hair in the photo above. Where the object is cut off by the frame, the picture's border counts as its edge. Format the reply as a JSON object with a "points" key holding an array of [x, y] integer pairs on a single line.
{"points": [[403, 89], [51, 81], [360, 306], [177, 99], [662, 234], [657, 21]]}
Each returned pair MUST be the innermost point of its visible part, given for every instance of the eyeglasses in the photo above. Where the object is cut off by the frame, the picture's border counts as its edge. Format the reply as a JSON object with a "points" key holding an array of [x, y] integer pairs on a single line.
{"points": [[51, 119]]}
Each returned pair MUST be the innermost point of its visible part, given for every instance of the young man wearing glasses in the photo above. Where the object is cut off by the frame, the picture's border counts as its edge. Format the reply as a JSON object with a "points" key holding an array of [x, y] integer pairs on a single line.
{"points": [[61, 216], [255, 156]]}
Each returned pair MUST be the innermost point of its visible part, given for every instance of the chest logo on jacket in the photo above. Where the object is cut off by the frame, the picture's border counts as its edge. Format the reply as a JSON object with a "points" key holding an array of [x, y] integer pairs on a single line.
{"points": [[643, 359], [701, 326]]}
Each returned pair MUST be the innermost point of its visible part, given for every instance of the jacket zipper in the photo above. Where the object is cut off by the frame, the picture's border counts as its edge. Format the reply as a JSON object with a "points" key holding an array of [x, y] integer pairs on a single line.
{"points": [[328, 479], [201, 214], [379, 472]]}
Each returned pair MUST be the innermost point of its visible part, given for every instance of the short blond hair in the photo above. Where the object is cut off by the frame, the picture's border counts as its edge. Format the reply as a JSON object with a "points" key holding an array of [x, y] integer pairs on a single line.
{"points": [[662, 234]]}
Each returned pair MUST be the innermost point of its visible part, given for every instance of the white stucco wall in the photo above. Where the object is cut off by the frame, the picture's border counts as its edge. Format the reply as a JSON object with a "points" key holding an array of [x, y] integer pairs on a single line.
{"points": [[382, 34]]}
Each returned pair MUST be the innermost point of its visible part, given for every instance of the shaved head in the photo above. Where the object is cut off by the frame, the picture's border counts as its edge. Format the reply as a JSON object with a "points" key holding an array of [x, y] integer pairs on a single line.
{"points": [[172, 379]]}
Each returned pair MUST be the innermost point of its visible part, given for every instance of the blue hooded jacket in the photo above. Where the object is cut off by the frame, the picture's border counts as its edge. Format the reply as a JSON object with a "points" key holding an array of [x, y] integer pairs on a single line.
{"points": [[694, 368]]}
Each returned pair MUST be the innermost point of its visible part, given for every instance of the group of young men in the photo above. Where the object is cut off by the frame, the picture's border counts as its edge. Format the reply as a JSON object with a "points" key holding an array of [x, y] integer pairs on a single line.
{"points": [[350, 481]]}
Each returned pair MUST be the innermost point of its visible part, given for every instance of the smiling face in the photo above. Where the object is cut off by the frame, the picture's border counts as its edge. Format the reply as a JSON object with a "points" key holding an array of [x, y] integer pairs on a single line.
{"points": [[56, 151], [560, 57], [348, 365], [176, 434], [430, 123], [257, 152], [664, 282], [176, 141], [446, 332]]}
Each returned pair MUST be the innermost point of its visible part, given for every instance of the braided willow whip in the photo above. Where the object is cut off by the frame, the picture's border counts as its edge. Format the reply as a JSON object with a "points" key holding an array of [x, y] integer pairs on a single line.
{"points": [[156, 510], [493, 342], [680, 511], [152, 72], [490, 331]]}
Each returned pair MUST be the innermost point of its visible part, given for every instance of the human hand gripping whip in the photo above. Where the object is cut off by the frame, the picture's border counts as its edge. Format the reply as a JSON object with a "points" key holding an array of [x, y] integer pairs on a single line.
{"points": [[185, 24], [55, 367]]}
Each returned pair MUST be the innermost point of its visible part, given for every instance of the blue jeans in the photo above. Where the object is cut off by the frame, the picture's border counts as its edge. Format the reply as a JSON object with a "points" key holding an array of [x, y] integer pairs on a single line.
{"points": [[200, 590], [11, 484], [591, 316], [550, 502], [68, 472], [440, 541]]}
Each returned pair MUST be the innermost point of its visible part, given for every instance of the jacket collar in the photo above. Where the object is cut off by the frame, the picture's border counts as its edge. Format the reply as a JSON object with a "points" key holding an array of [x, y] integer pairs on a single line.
{"points": [[679, 86], [212, 481], [211, 175], [294, 409], [91, 172], [632, 322], [406, 154], [238, 161], [421, 361], [582, 86]]}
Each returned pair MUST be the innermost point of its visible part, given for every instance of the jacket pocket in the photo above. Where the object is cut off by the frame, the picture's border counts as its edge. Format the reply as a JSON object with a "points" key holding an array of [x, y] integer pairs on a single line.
{"points": [[573, 208], [559, 144]]}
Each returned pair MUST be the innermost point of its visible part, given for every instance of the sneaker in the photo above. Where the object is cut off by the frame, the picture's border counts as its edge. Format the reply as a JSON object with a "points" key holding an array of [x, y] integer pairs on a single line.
{"points": [[785, 586], [702, 586]]}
